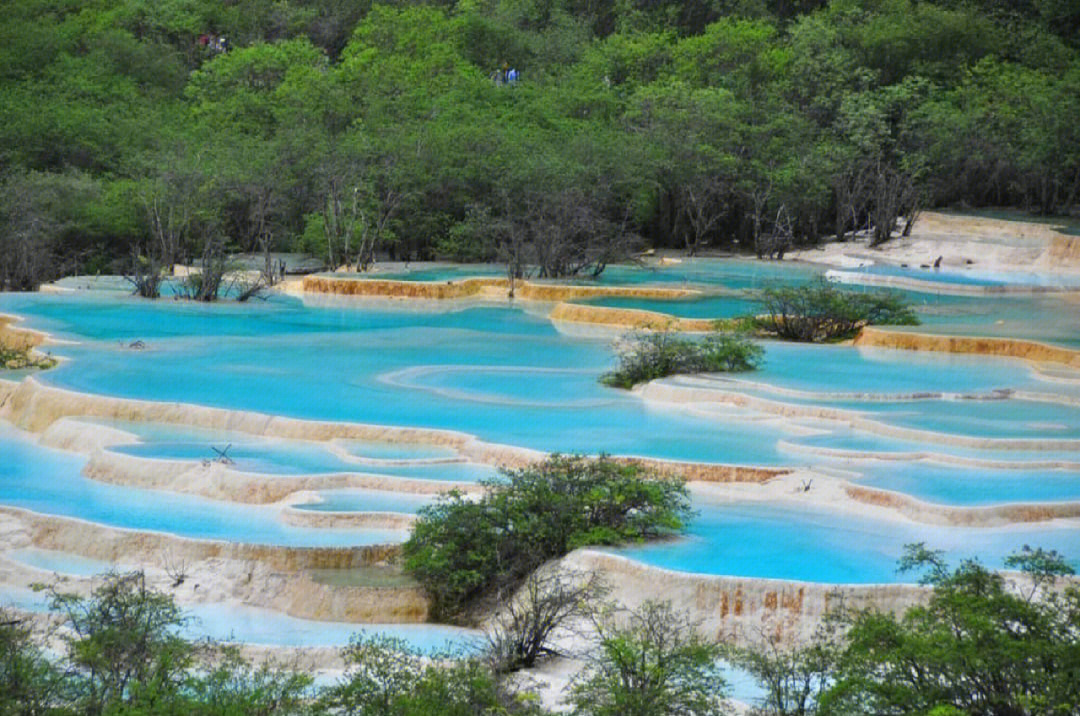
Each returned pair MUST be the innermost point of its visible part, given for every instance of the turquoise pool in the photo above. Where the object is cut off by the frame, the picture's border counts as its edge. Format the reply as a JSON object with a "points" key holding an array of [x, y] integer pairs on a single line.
{"points": [[508, 376], [49, 481], [811, 544]]}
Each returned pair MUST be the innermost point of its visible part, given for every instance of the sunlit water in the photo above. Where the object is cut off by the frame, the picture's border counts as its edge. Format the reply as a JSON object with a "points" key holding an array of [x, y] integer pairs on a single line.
{"points": [[508, 376]]}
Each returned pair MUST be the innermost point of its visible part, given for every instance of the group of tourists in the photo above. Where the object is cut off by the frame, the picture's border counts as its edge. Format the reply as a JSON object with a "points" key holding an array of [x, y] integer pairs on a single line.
{"points": [[504, 75], [213, 43]]}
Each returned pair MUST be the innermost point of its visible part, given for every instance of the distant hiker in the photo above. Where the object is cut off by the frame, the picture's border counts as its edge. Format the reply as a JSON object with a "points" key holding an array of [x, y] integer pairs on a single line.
{"points": [[505, 70], [512, 75], [204, 40], [282, 269]]}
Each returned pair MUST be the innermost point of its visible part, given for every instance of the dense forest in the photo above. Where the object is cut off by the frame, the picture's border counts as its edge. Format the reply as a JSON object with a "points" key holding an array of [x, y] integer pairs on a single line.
{"points": [[138, 133]]}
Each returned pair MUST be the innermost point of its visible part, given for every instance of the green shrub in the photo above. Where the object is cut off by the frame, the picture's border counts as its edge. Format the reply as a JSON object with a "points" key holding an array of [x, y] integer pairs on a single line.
{"points": [[821, 312], [387, 677], [652, 662], [648, 356], [18, 358], [983, 643], [462, 549]]}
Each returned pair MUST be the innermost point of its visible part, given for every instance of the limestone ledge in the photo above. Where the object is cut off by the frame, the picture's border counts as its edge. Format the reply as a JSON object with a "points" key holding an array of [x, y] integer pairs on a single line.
{"points": [[113, 544], [687, 394], [628, 318], [473, 287], [739, 610], [87, 438], [1063, 249], [218, 481], [981, 345], [706, 472], [993, 516], [936, 287], [260, 575], [788, 446], [35, 407], [17, 338], [347, 520]]}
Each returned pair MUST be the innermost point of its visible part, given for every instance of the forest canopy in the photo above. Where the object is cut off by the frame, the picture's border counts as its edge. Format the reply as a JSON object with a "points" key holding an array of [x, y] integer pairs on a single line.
{"points": [[141, 133]]}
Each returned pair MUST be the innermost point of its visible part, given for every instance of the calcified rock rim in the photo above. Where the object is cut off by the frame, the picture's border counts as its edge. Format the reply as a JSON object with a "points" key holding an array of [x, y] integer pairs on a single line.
{"points": [[34, 407], [1034, 351], [217, 481], [738, 610], [914, 455], [945, 288], [980, 516], [270, 576], [689, 390], [479, 287]]}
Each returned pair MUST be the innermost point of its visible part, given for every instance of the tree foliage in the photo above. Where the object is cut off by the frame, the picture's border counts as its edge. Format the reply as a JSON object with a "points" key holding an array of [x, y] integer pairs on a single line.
{"points": [[982, 645], [648, 356], [649, 662], [822, 312], [463, 549], [352, 130]]}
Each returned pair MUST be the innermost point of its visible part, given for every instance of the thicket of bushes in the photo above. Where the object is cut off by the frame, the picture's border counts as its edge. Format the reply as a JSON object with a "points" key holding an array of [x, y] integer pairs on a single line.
{"points": [[819, 312], [349, 128], [648, 356], [983, 644], [464, 550]]}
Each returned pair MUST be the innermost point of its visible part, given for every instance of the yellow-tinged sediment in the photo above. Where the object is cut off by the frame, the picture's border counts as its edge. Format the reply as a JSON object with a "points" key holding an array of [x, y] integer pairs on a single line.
{"points": [[473, 287], [34, 407], [14, 337], [991, 516], [740, 610], [630, 318], [979, 345]]}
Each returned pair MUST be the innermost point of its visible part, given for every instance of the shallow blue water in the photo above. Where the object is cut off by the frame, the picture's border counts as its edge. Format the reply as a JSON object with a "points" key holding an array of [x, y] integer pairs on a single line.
{"points": [[975, 486], [262, 626], [357, 500], [814, 545], [347, 365], [838, 368], [730, 273], [248, 456], [443, 471], [705, 307], [510, 377], [395, 451], [61, 562], [48, 481]]}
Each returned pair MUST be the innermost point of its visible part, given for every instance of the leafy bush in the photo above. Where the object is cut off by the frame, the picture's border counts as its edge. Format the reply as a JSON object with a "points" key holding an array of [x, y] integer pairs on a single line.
{"points": [[124, 655], [651, 663], [983, 644], [648, 356], [17, 358], [821, 312], [387, 677], [462, 549]]}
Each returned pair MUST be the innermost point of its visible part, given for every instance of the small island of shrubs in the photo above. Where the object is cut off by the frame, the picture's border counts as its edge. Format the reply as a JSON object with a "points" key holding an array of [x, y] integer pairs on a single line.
{"points": [[466, 550], [820, 312], [23, 358], [647, 356], [814, 313]]}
